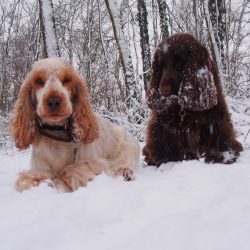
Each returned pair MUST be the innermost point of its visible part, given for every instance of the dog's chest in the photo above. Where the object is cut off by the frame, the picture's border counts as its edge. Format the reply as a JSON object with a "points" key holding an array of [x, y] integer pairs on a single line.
{"points": [[53, 155]]}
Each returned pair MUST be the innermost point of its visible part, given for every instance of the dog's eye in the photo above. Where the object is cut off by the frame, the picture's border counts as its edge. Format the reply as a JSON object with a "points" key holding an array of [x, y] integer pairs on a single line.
{"points": [[66, 80], [39, 81], [179, 62]]}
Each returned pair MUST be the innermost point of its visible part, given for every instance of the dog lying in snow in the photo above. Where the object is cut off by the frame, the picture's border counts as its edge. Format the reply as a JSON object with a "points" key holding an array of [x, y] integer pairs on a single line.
{"points": [[189, 117], [70, 143]]}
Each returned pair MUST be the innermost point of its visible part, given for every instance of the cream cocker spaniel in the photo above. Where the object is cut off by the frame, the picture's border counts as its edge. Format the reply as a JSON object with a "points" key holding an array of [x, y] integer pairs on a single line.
{"points": [[70, 143]]}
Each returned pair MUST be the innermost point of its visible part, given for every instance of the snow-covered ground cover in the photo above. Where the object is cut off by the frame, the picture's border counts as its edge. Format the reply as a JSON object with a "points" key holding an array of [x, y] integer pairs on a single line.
{"points": [[182, 205]]}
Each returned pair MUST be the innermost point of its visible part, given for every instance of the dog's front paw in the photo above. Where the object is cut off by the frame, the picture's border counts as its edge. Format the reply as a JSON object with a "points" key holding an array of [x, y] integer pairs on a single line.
{"points": [[69, 181], [74, 176], [227, 157], [27, 180], [230, 156], [126, 173], [154, 161]]}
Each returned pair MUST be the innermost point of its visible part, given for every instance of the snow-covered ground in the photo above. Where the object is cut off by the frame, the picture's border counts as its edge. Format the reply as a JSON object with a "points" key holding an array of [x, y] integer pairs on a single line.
{"points": [[183, 205]]}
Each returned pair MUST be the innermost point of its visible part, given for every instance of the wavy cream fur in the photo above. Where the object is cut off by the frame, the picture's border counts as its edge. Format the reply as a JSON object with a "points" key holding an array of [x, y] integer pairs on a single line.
{"points": [[101, 145]]}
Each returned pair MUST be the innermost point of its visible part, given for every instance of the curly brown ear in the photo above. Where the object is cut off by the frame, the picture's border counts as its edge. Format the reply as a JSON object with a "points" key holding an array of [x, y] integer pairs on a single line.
{"points": [[157, 67], [85, 127], [153, 84], [197, 91], [22, 122]]}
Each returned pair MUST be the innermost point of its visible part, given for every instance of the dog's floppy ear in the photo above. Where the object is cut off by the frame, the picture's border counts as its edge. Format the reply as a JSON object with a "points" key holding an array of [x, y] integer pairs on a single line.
{"points": [[22, 122], [157, 67], [197, 90], [85, 127], [156, 73]]}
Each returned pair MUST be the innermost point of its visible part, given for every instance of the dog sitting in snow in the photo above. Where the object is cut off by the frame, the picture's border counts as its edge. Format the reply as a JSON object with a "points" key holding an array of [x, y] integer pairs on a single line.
{"points": [[189, 117], [70, 143]]}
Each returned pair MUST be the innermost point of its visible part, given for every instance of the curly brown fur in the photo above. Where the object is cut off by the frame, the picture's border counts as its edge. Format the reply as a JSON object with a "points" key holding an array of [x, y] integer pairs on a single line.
{"points": [[189, 117]]}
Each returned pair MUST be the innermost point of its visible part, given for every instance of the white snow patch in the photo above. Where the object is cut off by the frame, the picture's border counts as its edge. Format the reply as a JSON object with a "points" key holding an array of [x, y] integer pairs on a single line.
{"points": [[228, 156], [165, 48], [202, 72], [182, 205]]}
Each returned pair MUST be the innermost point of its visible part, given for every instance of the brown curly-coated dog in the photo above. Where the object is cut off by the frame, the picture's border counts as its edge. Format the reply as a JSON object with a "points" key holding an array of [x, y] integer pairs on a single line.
{"points": [[189, 117]]}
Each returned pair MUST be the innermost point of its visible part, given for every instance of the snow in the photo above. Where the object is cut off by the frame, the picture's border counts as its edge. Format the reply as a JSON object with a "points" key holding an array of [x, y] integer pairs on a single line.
{"points": [[165, 48], [228, 156], [181, 205], [203, 72]]}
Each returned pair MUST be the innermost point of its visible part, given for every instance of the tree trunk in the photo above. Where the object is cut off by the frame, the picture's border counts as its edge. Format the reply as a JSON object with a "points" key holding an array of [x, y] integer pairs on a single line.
{"points": [[162, 6], [213, 43], [144, 40], [126, 60], [217, 11], [236, 49], [48, 30]]}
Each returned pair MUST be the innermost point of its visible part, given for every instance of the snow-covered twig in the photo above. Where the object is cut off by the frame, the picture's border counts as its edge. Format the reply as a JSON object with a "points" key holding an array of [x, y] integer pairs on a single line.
{"points": [[246, 136]]}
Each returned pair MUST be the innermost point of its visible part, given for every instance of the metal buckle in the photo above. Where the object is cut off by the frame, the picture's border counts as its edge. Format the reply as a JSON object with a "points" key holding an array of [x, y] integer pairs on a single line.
{"points": [[182, 114]]}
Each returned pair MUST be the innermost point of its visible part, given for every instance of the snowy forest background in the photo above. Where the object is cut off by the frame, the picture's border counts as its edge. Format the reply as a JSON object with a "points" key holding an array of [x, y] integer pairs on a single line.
{"points": [[112, 43]]}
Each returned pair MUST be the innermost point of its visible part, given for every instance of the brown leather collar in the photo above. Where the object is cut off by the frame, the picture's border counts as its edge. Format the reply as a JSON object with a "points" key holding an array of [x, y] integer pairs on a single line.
{"points": [[61, 133]]}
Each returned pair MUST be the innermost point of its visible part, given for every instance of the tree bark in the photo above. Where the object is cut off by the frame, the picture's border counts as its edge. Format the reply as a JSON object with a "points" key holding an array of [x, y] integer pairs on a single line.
{"points": [[162, 6], [214, 45], [144, 40], [126, 60], [48, 29], [217, 11]]}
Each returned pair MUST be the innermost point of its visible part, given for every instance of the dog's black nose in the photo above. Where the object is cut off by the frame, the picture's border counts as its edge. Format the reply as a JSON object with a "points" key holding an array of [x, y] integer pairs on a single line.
{"points": [[54, 103]]}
